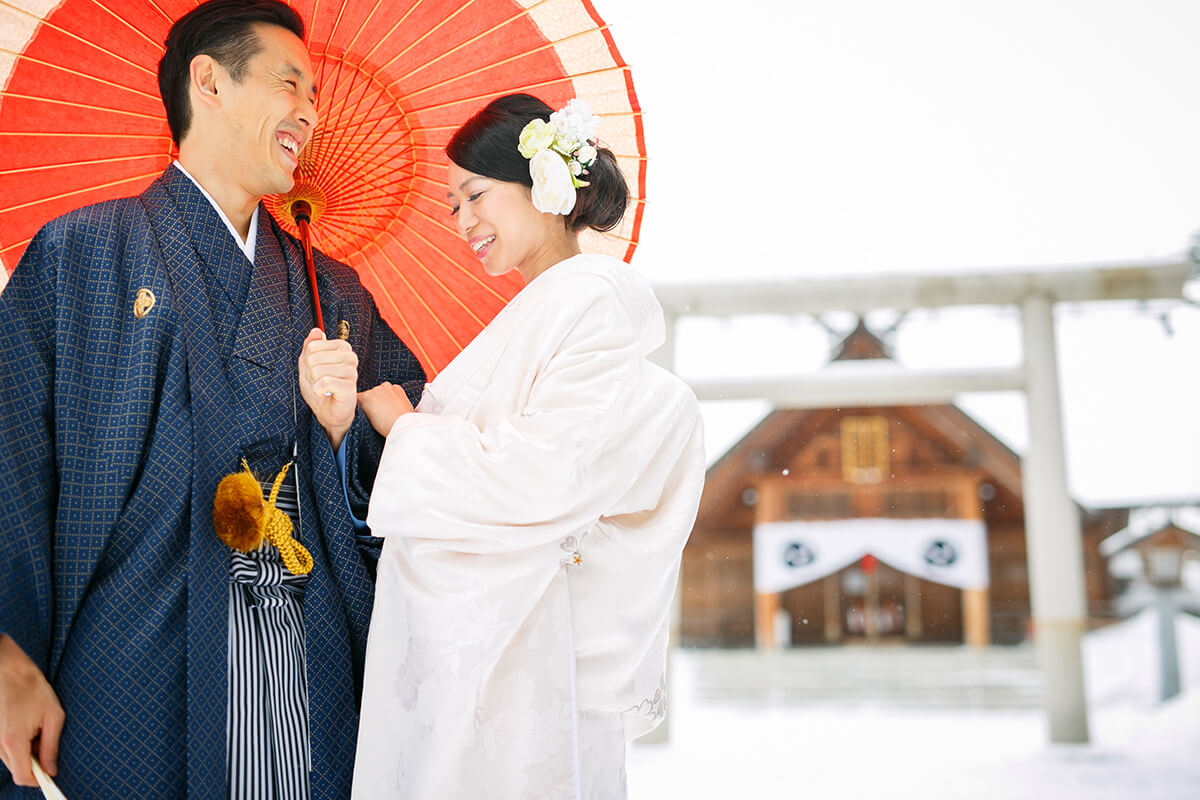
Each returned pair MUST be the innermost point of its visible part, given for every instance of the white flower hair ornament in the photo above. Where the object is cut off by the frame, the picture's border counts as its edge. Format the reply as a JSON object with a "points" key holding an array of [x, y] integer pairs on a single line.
{"points": [[559, 153]]}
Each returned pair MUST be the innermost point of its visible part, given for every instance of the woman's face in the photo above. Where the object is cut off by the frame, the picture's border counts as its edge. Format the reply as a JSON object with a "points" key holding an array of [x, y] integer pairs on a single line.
{"points": [[499, 222]]}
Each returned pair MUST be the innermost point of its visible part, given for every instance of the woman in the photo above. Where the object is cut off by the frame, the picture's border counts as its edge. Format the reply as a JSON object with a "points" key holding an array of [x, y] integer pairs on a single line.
{"points": [[535, 505]]}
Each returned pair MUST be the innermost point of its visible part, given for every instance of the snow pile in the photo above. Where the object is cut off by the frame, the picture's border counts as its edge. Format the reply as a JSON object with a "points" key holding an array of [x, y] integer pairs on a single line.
{"points": [[1140, 748], [1121, 662]]}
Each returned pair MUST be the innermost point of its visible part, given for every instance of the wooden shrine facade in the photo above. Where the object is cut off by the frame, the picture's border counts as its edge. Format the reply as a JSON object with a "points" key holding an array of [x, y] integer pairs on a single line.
{"points": [[890, 463]]}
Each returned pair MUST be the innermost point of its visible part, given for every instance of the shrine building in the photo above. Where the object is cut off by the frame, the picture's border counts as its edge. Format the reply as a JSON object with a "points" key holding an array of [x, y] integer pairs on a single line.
{"points": [[876, 525]]}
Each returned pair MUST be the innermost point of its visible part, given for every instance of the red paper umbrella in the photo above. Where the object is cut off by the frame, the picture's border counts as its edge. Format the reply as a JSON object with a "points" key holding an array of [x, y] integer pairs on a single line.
{"points": [[81, 121]]}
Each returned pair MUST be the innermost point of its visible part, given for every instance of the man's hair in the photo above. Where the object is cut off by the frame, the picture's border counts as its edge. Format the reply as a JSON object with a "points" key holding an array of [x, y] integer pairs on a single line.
{"points": [[223, 29]]}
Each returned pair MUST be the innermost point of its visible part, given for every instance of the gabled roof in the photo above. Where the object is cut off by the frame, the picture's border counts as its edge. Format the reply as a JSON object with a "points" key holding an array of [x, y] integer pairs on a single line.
{"points": [[781, 433], [1145, 522], [861, 343]]}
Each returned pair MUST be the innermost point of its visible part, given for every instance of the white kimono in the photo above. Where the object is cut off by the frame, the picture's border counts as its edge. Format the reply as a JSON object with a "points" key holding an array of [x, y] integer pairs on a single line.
{"points": [[533, 517]]}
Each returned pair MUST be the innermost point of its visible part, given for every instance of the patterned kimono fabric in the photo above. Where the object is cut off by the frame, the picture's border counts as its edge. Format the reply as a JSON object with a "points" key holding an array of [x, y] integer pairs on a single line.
{"points": [[267, 740], [115, 429]]}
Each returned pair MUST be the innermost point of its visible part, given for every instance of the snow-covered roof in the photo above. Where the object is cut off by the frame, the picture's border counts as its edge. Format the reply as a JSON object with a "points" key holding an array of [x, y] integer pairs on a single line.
{"points": [[1146, 521]]}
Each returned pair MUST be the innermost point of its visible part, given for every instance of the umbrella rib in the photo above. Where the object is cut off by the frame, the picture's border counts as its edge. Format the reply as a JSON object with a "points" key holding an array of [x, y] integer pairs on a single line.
{"points": [[337, 22], [436, 128], [395, 81], [340, 243], [131, 27], [358, 139], [77, 192], [159, 9], [363, 25], [449, 259], [348, 242], [339, 186], [392, 301], [363, 144], [156, 118], [492, 65], [453, 261], [339, 68], [374, 195], [338, 72], [111, 160], [340, 228], [524, 87], [358, 116], [52, 26], [442, 224], [433, 128], [417, 295], [14, 246], [435, 201], [378, 197], [377, 155], [88, 135], [391, 30], [441, 283], [422, 37], [507, 21], [400, 273], [77, 73], [371, 160], [359, 122]]}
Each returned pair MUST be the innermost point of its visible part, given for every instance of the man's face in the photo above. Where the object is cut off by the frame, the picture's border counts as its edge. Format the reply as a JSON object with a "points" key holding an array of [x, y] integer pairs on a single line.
{"points": [[270, 115]]}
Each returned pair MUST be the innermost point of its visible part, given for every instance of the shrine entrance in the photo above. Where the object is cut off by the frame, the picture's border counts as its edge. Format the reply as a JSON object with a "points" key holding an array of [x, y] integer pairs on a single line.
{"points": [[872, 603], [848, 556]]}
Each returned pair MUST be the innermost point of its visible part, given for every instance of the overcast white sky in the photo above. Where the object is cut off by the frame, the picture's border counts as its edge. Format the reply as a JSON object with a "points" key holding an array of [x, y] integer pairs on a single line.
{"points": [[864, 136]]}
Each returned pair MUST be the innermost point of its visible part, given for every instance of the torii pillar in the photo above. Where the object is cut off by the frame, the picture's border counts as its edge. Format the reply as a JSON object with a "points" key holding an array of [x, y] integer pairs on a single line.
{"points": [[1052, 533]]}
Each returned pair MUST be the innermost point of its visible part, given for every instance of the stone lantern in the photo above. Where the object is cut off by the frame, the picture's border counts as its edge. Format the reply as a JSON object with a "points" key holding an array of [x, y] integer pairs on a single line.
{"points": [[1155, 554]]}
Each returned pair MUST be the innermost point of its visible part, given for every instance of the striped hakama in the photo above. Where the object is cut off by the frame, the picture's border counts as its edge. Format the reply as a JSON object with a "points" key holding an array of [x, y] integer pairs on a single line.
{"points": [[267, 737]]}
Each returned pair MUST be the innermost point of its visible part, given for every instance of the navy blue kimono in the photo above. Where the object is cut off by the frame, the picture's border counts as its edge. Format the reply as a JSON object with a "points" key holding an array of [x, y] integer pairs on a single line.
{"points": [[115, 429]]}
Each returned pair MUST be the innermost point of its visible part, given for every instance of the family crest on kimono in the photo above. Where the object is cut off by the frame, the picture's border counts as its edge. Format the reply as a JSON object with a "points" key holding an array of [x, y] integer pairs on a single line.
{"points": [[151, 347], [534, 506]]}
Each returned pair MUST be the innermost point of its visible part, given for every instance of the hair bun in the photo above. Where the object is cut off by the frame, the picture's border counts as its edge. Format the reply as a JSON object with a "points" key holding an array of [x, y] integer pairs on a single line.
{"points": [[601, 204]]}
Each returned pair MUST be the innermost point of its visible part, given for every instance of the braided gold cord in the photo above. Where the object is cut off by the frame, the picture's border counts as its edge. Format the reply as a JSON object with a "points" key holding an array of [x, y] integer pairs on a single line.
{"points": [[277, 527]]}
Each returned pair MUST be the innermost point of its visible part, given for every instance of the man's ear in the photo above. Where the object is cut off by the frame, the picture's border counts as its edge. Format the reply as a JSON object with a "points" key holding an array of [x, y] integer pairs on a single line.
{"points": [[204, 73]]}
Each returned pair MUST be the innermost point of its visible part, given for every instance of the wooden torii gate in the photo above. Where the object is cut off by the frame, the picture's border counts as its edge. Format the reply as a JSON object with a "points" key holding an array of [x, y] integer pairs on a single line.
{"points": [[1052, 527]]}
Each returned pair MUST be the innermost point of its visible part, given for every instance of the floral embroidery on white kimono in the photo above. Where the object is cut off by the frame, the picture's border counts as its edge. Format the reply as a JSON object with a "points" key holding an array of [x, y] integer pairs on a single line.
{"points": [[533, 517]]}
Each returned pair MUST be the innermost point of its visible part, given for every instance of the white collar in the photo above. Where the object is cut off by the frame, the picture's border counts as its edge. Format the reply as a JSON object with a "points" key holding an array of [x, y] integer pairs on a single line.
{"points": [[247, 246]]}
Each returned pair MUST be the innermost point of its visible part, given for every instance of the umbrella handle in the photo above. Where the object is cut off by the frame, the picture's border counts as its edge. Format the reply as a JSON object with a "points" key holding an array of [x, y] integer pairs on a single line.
{"points": [[302, 213]]}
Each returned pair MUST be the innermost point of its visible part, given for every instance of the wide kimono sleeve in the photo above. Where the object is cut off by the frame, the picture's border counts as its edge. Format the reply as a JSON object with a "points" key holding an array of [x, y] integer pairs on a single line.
{"points": [[27, 464], [537, 471]]}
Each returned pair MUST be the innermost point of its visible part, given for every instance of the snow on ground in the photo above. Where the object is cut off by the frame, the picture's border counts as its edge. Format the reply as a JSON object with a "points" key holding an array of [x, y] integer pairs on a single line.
{"points": [[1139, 749]]}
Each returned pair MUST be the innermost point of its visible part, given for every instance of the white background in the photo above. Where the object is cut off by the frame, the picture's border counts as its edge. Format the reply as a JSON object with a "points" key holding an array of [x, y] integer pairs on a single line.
{"points": [[822, 139]]}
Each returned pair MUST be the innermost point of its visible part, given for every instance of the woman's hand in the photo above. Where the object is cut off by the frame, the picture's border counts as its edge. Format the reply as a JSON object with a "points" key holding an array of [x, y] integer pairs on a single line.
{"points": [[328, 383], [383, 405]]}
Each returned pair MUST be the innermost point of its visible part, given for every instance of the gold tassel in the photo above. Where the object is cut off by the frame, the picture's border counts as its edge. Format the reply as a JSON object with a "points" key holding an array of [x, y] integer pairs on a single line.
{"points": [[242, 518]]}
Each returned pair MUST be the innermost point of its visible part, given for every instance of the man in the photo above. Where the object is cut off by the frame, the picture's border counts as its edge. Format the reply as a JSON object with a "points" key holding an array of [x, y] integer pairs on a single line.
{"points": [[151, 345]]}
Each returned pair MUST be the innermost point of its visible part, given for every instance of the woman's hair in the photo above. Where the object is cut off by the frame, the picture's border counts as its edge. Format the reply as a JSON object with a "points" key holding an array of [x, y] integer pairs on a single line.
{"points": [[487, 145]]}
